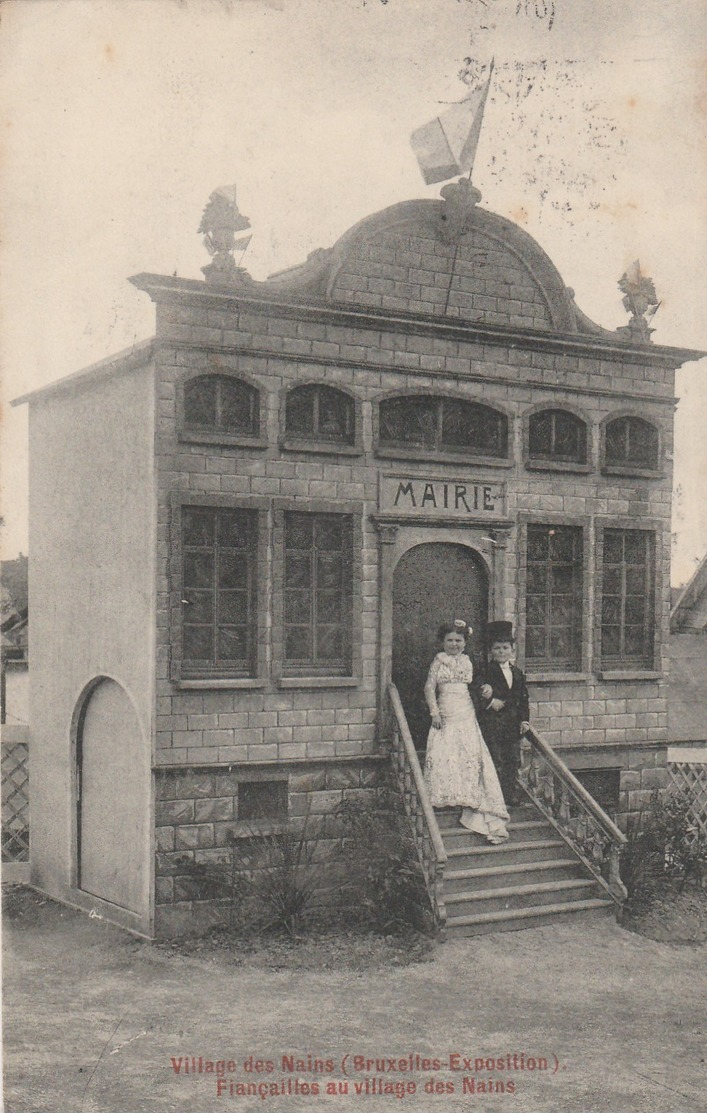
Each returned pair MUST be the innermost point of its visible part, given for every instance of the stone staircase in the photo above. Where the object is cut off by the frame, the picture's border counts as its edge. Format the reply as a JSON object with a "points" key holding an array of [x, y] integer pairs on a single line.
{"points": [[532, 880]]}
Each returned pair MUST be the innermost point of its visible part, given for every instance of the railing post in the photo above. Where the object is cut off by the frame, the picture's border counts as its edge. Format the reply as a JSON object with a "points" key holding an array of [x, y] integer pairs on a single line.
{"points": [[428, 840], [564, 803], [615, 883], [575, 814]]}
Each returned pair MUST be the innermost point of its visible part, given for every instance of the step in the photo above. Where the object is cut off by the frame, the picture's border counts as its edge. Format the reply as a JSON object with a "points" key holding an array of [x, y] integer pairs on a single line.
{"points": [[506, 876], [518, 832], [518, 919], [521, 896], [507, 853], [449, 817]]}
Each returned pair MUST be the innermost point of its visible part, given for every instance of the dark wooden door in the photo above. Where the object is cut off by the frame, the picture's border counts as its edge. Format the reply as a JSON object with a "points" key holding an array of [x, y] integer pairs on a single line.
{"points": [[432, 583]]}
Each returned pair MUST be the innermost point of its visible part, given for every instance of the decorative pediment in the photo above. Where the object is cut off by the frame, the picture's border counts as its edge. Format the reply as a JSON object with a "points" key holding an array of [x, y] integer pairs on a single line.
{"points": [[441, 258]]}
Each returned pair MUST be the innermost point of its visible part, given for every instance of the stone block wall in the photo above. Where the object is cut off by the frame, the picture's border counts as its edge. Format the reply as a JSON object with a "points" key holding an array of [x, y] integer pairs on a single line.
{"points": [[641, 770], [414, 273], [219, 725], [198, 816], [318, 725]]}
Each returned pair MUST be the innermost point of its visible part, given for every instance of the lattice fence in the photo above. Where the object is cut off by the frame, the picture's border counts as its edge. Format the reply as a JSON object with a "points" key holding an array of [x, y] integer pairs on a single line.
{"points": [[14, 768], [690, 778]]}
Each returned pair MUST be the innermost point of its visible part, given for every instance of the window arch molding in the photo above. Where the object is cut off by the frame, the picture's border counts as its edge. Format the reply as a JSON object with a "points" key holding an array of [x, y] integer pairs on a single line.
{"points": [[583, 457], [326, 418], [631, 444], [226, 410], [444, 444]]}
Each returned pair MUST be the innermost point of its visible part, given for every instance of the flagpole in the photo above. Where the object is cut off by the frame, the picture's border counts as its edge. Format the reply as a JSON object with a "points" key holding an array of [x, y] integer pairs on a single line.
{"points": [[461, 231], [454, 260]]}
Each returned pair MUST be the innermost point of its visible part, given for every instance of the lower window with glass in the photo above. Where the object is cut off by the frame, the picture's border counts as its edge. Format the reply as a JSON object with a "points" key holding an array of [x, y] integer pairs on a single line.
{"points": [[219, 591], [318, 590], [553, 615], [628, 598]]}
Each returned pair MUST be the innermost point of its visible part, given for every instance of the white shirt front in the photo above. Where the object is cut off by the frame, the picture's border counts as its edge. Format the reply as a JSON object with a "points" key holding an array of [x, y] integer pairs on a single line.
{"points": [[506, 670]]}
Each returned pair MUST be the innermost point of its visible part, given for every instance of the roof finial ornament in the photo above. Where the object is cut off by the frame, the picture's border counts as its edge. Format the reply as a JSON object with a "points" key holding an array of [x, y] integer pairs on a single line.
{"points": [[641, 301], [220, 221], [459, 201]]}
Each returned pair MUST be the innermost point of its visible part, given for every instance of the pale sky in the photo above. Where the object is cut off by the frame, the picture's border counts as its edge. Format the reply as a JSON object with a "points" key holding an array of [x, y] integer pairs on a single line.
{"points": [[121, 116]]}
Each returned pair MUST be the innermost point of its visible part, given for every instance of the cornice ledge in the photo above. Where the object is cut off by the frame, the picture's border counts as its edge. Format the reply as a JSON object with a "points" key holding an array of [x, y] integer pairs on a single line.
{"points": [[196, 292]]}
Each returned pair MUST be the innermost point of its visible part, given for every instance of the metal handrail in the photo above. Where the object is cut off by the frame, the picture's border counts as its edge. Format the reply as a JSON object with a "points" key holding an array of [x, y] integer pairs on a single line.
{"points": [[420, 785]]}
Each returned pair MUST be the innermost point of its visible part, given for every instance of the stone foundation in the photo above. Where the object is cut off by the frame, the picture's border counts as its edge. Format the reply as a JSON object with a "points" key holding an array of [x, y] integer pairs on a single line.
{"points": [[201, 811], [642, 769]]}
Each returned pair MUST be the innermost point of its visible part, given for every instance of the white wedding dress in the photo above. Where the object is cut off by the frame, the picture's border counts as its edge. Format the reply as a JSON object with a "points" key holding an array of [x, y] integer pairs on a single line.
{"points": [[459, 769]]}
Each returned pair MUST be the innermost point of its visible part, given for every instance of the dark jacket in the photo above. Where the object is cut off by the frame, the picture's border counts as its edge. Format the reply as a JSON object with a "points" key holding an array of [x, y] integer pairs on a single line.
{"points": [[501, 728]]}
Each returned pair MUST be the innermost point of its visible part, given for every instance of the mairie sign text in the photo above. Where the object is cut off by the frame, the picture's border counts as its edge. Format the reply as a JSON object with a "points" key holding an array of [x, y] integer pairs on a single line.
{"points": [[419, 495]]}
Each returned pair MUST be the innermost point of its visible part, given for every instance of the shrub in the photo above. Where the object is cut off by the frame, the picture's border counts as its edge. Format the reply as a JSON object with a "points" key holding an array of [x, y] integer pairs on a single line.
{"points": [[271, 880], [383, 875], [267, 878], [663, 842], [277, 877]]}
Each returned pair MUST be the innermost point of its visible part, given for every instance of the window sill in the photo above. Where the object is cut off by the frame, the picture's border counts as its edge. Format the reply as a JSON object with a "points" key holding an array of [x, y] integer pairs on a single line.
{"points": [[323, 448], [433, 456], [228, 440], [317, 682], [630, 674], [632, 470], [222, 682], [558, 465], [254, 767], [557, 677]]}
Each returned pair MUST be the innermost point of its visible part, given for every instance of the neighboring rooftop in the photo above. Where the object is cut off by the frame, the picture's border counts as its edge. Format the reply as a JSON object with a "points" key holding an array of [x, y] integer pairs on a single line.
{"points": [[13, 608], [687, 688], [687, 692], [13, 577], [689, 613]]}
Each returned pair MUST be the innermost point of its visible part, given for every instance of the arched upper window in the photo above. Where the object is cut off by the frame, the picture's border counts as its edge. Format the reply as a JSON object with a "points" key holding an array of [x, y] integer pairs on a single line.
{"points": [[631, 442], [221, 404], [443, 424], [321, 413], [557, 435]]}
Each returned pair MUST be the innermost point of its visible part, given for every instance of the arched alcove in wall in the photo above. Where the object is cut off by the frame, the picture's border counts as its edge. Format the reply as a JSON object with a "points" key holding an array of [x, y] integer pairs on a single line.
{"points": [[112, 822]]}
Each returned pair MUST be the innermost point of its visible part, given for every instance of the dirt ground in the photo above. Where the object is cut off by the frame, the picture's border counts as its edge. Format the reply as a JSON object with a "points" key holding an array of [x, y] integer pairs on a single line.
{"points": [[95, 1020]]}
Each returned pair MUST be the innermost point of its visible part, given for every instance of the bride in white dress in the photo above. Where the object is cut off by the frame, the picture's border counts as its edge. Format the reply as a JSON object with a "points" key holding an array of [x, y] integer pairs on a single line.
{"points": [[458, 767]]}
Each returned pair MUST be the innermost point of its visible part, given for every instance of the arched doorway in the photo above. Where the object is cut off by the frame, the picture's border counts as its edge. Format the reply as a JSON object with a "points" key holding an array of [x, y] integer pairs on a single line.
{"points": [[432, 583], [112, 815]]}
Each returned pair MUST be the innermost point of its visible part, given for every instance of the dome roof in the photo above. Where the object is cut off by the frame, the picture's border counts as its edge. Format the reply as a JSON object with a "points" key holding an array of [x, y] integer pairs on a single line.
{"points": [[446, 258]]}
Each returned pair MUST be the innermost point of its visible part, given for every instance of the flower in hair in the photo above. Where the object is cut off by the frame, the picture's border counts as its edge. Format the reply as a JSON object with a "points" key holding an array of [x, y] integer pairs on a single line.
{"points": [[461, 624]]}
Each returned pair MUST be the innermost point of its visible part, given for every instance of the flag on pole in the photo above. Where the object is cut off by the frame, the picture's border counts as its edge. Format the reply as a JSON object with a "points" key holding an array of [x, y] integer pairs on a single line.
{"points": [[447, 145]]}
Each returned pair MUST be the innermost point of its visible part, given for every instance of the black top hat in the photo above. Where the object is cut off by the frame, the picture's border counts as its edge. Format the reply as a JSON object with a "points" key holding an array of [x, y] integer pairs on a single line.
{"points": [[499, 632]]}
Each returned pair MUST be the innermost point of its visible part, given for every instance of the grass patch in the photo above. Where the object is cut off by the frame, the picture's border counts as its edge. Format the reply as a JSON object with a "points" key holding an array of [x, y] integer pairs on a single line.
{"points": [[673, 915]]}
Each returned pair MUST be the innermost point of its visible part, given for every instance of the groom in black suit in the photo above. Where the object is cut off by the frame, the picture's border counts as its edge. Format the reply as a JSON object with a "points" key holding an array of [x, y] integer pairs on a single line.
{"points": [[501, 697]]}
